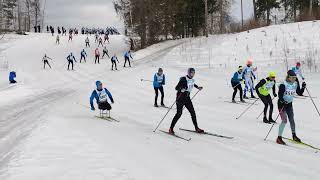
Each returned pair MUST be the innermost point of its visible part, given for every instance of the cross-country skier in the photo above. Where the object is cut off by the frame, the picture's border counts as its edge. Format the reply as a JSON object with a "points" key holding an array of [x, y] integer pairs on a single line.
{"points": [[97, 56], [70, 37], [87, 42], [106, 38], [127, 56], [105, 52], [12, 76], [83, 55], [101, 96], [100, 42], [45, 61], [114, 61], [263, 90], [70, 59], [159, 79], [297, 70], [96, 38], [236, 84], [58, 39], [248, 74], [287, 90], [184, 89]]}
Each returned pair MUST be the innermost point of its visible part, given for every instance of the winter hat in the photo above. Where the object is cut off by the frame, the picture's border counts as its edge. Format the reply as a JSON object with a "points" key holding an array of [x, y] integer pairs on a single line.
{"points": [[191, 70], [272, 74], [249, 62], [240, 68], [291, 73], [98, 83], [298, 64]]}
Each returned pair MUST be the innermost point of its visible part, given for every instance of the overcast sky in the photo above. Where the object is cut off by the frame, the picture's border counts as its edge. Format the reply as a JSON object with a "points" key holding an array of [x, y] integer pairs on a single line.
{"points": [[100, 13]]}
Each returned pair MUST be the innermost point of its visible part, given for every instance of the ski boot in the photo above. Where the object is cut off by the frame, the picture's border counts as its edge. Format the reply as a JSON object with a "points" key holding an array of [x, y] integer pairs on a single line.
{"points": [[295, 138], [171, 131], [280, 141], [272, 121], [265, 120], [234, 101], [162, 105], [156, 105], [252, 96], [245, 97], [243, 101], [200, 131]]}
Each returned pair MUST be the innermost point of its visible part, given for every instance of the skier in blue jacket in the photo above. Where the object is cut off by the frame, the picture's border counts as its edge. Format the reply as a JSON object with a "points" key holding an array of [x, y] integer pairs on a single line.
{"points": [[12, 75], [127, 57], [83, 55], [159, 80], [236, 84], [101, 95]]}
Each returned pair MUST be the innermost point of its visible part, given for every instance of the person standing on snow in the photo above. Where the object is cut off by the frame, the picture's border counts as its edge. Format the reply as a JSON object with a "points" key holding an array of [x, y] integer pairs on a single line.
{"points": [[100, 42], [114, 61], [236, 84], [297, 70], [287, 90], [83, 55], [87, 42], [12, 76], [263, 90], [127, 57], [58, 39], [105, 52], [70, 59], [96, 38], [97, 56], [45, 61], [159, 80], [70, 37], [106, 38], [101, 96], [248, 74], [184, 89]]}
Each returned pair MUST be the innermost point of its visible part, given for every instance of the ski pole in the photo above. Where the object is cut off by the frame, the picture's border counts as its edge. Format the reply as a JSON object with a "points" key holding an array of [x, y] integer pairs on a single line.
{"points": [[247, 109], [146, 80], [263, 111], [274, 123], [170, 110], [315, 106]]}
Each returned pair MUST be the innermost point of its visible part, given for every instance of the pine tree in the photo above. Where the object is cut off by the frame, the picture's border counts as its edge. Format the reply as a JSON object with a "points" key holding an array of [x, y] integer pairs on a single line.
{"points": [[8, 7], [264, 8]]}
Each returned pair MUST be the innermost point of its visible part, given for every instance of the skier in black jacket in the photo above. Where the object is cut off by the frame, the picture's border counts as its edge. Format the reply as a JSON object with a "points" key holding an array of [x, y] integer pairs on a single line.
{"points": [[184, 89]]}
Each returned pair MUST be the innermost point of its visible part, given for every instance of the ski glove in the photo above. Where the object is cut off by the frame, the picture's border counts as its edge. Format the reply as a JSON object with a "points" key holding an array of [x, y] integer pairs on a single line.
{"points": [[183, 90], [275, 95], [304, 85]]}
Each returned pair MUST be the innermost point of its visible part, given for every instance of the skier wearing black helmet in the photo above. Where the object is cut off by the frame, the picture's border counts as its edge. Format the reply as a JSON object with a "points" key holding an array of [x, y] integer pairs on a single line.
{"points": [[184, 89]]}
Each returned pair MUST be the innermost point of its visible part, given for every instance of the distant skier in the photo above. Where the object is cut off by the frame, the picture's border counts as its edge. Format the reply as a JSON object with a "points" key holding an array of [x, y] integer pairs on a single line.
{"points": [[97, 56], [12, 76], [297, 70], [105, 52], [45, 61], [236, 84], [127, 57], [71, 59], [263, 90], [58, 39], [87, 42], [114, 61], [287, 90], [96, 38], [159, 80], [248, 74], [101, 96], [184, 89], [100, 42], [70, 37], [106, 38], [83, 55]]}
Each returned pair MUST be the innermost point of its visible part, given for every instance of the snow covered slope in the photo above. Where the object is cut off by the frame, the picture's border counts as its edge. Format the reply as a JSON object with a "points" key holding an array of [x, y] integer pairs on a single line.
{"points": [[48, 132]]}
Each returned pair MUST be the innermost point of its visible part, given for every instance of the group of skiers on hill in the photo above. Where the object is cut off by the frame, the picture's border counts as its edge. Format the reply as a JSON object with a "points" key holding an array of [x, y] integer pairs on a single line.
{"points": [[286, 93], [83, 55]]}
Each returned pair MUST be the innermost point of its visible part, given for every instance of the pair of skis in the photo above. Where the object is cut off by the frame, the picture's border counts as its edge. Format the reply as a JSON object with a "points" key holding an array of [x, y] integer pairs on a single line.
{"points": [[108, 119], [302, 143], [192, 131]]}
